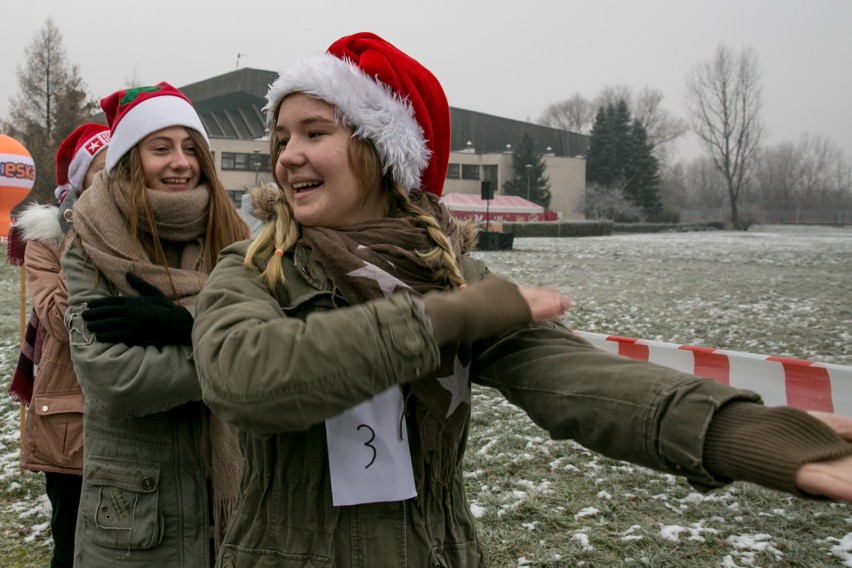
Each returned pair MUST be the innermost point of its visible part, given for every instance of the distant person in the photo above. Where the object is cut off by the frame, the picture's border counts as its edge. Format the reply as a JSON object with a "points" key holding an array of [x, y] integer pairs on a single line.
{"points": [[52, 438], [160, 472], [342, 343]]}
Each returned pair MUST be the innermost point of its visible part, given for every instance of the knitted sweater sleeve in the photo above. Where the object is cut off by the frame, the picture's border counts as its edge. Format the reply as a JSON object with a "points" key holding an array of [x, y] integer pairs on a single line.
{"points": [[750, 442], [483, 309]]}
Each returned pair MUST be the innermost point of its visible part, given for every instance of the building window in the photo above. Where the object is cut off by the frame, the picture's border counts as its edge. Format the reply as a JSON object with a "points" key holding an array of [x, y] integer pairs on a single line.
{"points": [[490, 173], [245, 161], [470, 171], [453, 171]]}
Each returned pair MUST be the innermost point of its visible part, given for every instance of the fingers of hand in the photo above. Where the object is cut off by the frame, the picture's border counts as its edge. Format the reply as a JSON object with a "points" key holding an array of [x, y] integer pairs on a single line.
{"points": [[546, 303], [832, 478]]}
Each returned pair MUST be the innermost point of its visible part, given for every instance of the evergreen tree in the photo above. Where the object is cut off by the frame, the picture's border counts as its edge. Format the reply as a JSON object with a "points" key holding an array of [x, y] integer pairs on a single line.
{"points": [[642, 172], [620, 157], [599, 156], [528, 182], [51, 103], [609, 145]]}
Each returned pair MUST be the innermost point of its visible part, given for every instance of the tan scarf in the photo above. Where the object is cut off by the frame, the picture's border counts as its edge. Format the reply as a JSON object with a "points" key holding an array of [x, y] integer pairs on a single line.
{"points": [[101, 220], [369, 260]]}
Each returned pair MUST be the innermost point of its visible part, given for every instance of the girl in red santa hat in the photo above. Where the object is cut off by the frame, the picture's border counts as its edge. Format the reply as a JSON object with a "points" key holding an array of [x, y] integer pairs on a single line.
{"points": [[52, 438], [159, 471], [342, 343]]}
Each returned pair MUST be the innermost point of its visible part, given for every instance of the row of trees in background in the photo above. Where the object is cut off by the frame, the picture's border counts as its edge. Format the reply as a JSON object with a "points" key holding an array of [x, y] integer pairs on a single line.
{"points": [[724, 100], [812, 173], [630, 173]]}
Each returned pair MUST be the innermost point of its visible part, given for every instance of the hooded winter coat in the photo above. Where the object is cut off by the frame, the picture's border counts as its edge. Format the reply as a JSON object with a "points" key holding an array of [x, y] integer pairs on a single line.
{"points": [[264, 365], [144, 499], [53, 431]]}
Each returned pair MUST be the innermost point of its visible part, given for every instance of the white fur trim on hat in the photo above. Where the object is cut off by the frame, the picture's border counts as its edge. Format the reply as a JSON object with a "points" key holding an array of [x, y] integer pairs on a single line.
{"points": [[83, 158], [371, 108], [147, 117]]}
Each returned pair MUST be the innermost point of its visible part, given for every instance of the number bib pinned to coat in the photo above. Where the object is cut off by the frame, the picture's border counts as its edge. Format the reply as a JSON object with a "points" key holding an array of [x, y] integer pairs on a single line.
{"points": [[368, 452]]}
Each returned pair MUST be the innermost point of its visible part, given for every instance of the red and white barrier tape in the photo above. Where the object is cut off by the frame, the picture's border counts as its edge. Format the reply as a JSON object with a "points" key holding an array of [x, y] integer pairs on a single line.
{"points": [[779, 380]]}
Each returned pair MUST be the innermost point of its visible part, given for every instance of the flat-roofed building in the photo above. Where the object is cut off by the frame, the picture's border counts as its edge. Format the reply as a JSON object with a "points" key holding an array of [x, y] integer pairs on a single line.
{"points": [[230, 106]]}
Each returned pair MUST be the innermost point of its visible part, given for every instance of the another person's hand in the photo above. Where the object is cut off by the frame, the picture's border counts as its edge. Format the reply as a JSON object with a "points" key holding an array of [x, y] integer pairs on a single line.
{"points": [[148, 319], [829, 478]]}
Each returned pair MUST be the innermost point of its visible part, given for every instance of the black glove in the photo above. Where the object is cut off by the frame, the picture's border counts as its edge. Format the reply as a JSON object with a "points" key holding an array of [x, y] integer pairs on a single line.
{"points": [[148, 319]]}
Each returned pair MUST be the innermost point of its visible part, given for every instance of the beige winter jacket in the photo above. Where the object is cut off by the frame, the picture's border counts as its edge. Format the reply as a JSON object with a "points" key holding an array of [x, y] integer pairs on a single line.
{"points": [[53, 431]]}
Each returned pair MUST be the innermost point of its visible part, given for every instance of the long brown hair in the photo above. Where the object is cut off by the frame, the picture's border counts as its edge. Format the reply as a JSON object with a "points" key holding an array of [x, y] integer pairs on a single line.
{"points": [[224, 224]]}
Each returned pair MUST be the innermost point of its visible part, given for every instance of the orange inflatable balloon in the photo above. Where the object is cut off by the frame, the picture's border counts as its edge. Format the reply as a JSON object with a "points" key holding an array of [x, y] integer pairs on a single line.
{"points": [[17, 176]]}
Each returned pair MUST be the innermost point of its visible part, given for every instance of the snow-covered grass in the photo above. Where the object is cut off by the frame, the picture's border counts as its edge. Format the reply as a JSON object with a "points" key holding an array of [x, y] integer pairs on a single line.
{"points": [[772, 290]]}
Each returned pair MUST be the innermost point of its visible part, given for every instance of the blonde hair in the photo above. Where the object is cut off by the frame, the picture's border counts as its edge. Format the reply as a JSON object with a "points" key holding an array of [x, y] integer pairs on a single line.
{"points": [[280, 231], [224, 224]]}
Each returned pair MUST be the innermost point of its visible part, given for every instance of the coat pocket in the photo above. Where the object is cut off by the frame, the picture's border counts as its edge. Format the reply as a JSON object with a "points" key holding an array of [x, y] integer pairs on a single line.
{"points": [[233, 556], [120, 505], [58, 429]]}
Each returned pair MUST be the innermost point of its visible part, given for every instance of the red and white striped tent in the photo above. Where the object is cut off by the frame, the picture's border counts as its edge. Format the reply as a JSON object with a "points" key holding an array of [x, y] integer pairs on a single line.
{"points": [[501, 209], [779, 380]]}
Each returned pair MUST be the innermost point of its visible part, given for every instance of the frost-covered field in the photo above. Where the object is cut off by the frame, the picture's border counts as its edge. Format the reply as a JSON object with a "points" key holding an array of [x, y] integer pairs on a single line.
{"points": [[773, 290], [776, 290]]}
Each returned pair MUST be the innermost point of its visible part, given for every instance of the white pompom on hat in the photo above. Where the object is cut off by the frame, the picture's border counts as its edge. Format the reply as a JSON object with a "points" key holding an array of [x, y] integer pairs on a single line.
{"points": [[133, 114], [386, 97]]}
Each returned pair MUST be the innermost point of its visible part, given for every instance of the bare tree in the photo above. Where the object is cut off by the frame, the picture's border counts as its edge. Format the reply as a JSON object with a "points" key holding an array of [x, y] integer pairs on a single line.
{"points": [[52, 101], [705, 185], [820, 159], [813, 173], [777, 177], [575, 115], [610, 202], [724, 100], [663, 128], [611, 94]]}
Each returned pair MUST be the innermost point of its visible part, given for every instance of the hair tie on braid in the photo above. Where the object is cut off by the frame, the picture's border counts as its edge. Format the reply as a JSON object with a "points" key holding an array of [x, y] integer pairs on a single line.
{"points": [[279, 252]]}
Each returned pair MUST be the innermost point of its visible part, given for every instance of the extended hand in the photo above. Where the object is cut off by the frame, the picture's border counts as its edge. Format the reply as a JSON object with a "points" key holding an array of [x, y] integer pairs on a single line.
{"points": [[829, 478], [148, 319], [545, 303]]}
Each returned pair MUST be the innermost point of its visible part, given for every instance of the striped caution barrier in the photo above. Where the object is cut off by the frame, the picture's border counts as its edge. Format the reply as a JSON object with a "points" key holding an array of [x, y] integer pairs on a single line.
{"points": [[779, 380]]}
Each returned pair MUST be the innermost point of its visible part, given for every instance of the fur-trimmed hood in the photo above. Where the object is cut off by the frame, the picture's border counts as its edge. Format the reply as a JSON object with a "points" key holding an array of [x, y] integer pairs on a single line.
{"points": [[40, 223]]}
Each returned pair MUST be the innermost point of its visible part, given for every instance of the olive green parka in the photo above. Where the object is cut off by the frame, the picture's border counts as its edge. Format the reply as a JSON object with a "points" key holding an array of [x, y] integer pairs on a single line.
{"points": [[278, 365]]}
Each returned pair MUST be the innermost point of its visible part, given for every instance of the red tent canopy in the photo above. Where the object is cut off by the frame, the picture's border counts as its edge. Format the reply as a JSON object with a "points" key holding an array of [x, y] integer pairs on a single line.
{"points": [[501, 209]]}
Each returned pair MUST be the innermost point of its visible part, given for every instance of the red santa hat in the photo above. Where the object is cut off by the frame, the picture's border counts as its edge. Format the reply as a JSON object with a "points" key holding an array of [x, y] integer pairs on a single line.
{"points": [[386, 97], [133, 114], [75, 155]]}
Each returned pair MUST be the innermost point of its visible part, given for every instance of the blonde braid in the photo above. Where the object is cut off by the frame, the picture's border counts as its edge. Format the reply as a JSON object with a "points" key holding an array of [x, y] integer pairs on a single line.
{"points": [[278, 235], [441, 257]]}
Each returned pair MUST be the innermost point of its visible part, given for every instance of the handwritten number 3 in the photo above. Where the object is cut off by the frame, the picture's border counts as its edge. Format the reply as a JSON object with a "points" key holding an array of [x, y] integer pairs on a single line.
{"points": [[368, 443]]}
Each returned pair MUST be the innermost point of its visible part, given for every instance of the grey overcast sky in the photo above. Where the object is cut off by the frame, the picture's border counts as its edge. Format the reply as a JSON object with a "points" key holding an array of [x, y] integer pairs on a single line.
{"points": [[501, 57]]}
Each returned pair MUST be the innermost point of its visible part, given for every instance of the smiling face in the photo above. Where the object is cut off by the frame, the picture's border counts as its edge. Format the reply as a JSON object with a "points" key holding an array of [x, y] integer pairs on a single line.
{"points": [[169, 161], [314, 170]]}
